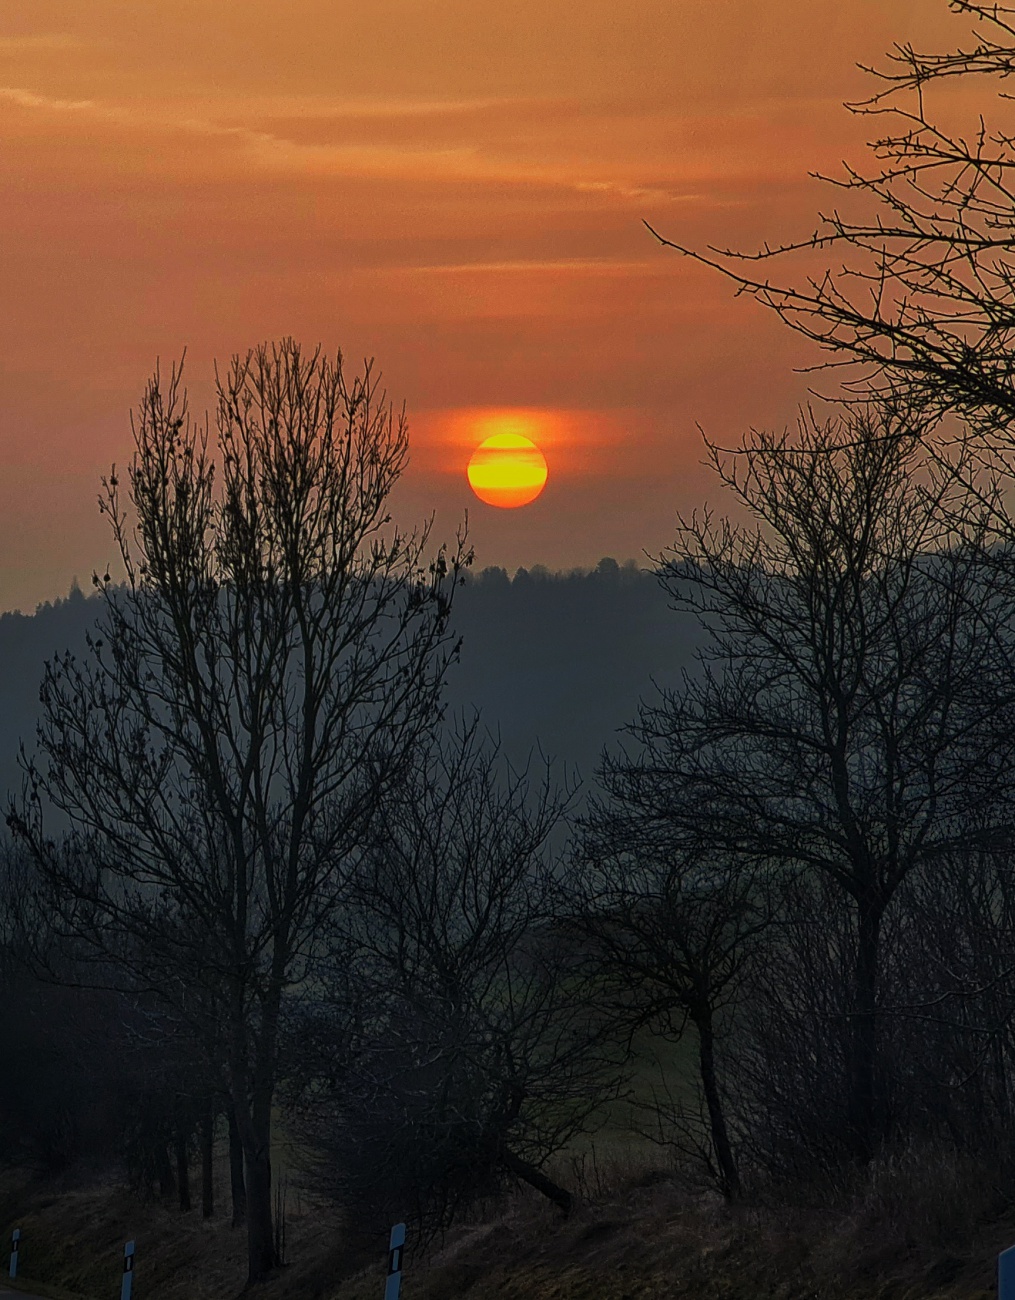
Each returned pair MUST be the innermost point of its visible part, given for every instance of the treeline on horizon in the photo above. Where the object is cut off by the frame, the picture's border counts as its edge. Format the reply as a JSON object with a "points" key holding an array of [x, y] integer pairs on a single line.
{"points": [[255, 842], [554, 664]]}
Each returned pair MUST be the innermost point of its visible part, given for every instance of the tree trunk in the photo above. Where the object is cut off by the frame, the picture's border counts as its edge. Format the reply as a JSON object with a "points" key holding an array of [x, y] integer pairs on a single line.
{"points": [[260, 1229], [537, 1179], [207, 1159], [167, 1184], [237, 1185], [729, 1175], [182, 1170], [863, 1101], [253, 1119]]}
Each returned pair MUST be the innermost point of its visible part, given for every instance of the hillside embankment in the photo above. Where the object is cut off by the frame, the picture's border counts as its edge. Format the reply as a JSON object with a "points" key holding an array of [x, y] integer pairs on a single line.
{"points": [[925, 1231]]}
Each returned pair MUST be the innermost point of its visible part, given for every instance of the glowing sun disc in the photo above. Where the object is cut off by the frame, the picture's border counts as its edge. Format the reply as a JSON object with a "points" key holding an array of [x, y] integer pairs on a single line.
{"points": [[507, 470]]}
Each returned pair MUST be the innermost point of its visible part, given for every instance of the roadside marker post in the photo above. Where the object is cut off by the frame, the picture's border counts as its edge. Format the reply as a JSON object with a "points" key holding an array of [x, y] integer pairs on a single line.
{"points": [[1006, 1274], [15, 1242], [128, 1271], [395, 1247]]}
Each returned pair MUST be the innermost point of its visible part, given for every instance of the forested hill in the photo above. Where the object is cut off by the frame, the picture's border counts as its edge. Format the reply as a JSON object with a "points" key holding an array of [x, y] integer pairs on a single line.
{"points": [[554, 661], [560, 660]]}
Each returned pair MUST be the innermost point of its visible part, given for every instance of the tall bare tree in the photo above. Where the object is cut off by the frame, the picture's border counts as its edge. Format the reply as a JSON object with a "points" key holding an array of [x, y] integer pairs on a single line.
{"points": [[260, 680], [852, 712]]}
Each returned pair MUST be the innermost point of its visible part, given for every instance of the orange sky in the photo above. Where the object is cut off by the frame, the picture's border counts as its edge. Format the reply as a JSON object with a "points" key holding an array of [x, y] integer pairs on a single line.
{"points": [[456, 187]]}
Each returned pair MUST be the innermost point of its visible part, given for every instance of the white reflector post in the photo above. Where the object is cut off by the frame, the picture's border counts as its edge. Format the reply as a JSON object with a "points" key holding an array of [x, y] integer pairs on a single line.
{"points": [[128, 1271], [15, 1240], [395, 1247]]}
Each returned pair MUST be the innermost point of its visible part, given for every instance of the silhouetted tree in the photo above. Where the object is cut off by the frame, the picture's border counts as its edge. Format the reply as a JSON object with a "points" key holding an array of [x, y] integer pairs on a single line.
{"points": [[852, 711], [921, 295], [670, 932], [950, 988], [180, 1086], [258, 683], [473, 1057]]}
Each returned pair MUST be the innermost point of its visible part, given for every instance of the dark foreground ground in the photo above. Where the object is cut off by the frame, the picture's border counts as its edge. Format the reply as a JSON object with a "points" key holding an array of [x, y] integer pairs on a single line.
{"points": [[925, 1233]]}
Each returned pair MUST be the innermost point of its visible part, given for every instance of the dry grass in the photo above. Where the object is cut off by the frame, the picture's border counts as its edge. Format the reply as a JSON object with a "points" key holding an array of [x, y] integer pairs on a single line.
{"points": [[73, 1232], [919, 1229], [657, 1242]]}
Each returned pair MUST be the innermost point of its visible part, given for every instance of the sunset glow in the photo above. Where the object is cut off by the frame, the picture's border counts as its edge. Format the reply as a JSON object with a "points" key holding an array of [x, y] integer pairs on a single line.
{"points": [[459, 191], [507, 470]]}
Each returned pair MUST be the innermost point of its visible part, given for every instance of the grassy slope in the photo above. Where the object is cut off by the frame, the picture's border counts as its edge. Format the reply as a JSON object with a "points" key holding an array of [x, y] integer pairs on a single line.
{"points": [[642, 1241]]}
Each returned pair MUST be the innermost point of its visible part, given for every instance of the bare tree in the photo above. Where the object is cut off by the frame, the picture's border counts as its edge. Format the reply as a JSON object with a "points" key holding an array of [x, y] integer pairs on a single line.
{"points": [[954, 1006], [180, 1087], [672, 932], [277, 651], [475, 1058], [922, 294], [852, 709], [945, 1021], [914, 302]]}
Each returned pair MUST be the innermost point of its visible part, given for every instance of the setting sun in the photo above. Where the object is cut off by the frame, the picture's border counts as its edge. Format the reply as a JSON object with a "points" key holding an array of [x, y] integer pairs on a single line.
{"points": [[507, 470]]}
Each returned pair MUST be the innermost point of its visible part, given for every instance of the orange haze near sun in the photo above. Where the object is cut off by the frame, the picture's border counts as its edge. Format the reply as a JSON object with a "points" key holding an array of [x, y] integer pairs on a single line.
{"points": [[458, 189]]}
